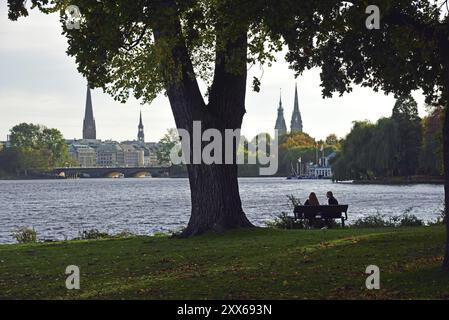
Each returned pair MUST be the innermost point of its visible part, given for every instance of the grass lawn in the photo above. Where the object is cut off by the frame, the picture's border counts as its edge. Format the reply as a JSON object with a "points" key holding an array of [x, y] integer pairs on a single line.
{"points": [[244, 264]]}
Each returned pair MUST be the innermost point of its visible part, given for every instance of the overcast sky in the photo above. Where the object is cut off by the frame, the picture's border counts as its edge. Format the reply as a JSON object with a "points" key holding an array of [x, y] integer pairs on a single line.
{"points": [[39, 83]]}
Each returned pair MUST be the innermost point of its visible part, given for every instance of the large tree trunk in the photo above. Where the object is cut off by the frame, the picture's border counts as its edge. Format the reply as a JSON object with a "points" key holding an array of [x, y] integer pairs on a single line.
{"points": [[216, 201], [446, 180], [215, 197], [444, 46], [446, 168]]}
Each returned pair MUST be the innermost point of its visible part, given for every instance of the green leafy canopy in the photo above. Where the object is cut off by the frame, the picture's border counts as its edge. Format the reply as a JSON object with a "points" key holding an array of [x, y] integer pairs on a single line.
{"points": [[115, 46], [408, 52]]}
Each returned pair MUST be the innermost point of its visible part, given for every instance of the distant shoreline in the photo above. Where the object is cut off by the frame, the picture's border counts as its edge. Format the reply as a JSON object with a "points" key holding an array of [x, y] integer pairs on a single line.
{"points": [[401, 181], [393, 181]]}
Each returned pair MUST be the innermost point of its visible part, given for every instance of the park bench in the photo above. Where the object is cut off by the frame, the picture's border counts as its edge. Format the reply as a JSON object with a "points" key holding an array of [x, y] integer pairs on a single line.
{"points": [[322, 213]]}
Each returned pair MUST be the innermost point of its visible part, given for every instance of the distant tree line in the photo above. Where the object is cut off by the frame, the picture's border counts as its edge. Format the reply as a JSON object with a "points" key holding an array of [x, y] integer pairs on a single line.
{"points": [[400, 146], [301, 146], [33, 148], [292, 146]]}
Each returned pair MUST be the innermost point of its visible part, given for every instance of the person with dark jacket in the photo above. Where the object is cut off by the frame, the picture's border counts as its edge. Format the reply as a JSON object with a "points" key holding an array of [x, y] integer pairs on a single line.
{"points": [[331, 199]]}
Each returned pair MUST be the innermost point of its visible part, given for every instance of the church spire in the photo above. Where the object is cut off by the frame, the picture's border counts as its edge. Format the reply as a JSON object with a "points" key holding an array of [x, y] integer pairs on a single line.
{"points": [[296, 122], [89, 130], [280, 121], [140, 134]]}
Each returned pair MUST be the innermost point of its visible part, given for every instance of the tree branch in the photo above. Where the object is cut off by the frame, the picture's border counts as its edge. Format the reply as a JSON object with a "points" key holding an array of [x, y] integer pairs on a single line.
{"points": [[182, 87], [131, 45], [228, 91]]}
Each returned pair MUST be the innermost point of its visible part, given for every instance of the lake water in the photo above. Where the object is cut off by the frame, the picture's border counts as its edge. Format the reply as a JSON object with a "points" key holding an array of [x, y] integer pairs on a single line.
{"points": [[59, 209]]}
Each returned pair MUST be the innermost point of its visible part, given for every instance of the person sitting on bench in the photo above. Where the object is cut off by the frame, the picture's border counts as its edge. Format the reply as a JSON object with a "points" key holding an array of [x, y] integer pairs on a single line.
{"points": [[312, 201], [331, 199]]}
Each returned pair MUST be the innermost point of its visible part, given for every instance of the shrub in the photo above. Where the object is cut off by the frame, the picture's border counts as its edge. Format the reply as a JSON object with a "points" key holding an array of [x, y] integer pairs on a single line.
{"points": [[177, 232], [160, 234], [441, 220], [92, 234], [293, 201], [372, 221], [381, 221], [284, 221], [409, 220], [124, 234], [443, 215], [25, 235]]}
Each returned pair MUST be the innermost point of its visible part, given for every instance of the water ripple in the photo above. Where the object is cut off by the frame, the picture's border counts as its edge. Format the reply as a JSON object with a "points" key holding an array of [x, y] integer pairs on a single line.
{"points": [[61, 208]]}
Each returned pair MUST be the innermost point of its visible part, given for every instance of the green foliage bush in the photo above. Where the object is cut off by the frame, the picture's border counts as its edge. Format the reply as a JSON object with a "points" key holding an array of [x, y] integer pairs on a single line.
{"points": [[409, 220], [160, 234], [372, 221], [293, 201], [95, 234], [92, 234], [441, 220], [124, 234], [284, 221], [25, 235], [381, 221]]}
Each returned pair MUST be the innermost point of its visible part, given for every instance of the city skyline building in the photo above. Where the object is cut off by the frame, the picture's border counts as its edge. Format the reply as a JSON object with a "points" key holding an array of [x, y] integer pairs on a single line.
{"points": [[296, 122], [89, 129], [140, 133], [280, 121]]}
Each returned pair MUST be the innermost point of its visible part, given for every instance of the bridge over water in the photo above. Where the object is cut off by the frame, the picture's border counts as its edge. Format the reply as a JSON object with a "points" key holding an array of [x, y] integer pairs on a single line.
{"points": [[105, 172]]}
